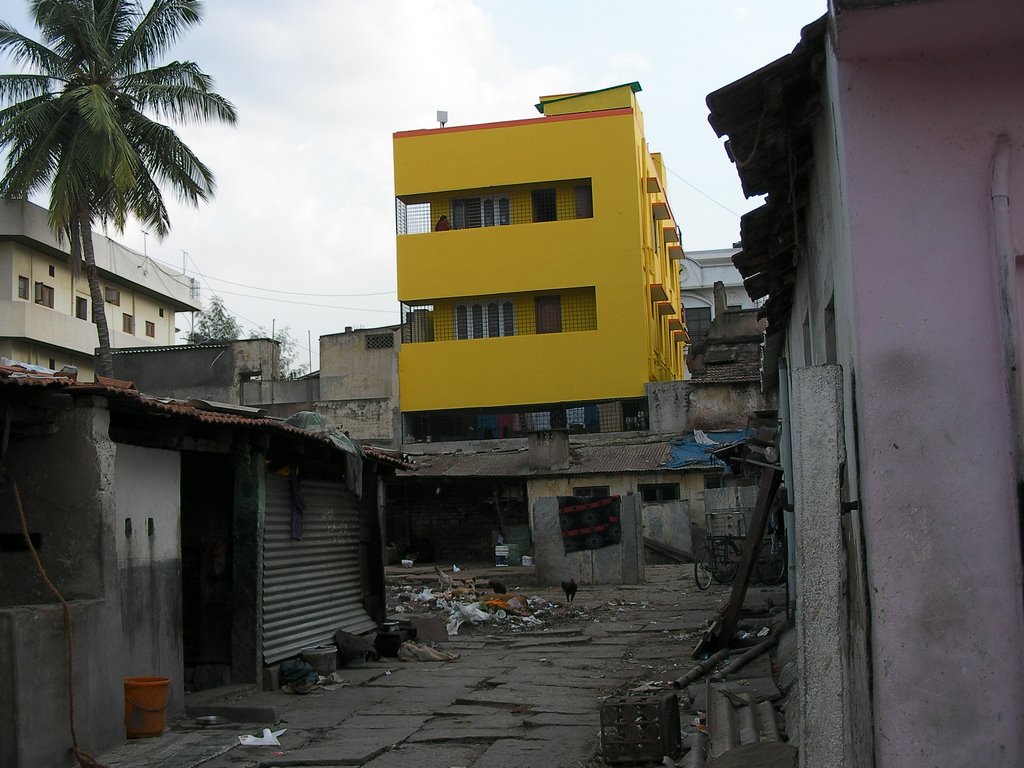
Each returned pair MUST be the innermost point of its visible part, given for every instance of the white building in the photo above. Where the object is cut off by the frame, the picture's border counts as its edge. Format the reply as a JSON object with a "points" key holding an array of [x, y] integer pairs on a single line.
{"points": [[46, 312], [698, 273]]}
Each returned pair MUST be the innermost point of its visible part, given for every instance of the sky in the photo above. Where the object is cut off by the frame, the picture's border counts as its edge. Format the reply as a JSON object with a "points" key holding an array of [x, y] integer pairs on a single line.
{"points": [[301, 232]]}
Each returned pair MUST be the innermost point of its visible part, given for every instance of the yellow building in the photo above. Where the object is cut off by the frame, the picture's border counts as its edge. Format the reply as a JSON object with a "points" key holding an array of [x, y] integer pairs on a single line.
{"points": [[46, 312], [537, 271]]}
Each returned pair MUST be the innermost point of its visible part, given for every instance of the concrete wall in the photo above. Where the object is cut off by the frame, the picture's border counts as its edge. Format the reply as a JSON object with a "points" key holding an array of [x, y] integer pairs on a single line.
{"points": [[680, 406], [70, 503], [354, 367], [822, 625], [147, 485], [375, 420], [619, 564], [206, 372], [933, 413], [899, 241], [668, 523]]}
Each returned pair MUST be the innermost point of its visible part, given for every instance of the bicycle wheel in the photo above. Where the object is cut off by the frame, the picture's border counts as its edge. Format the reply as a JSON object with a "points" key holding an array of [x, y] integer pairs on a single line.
{"points": [[702, 569], [727, 561], [772, 559]]}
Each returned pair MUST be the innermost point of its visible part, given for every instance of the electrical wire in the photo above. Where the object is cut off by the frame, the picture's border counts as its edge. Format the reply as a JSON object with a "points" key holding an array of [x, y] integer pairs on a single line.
{"points": [[702, 193]]}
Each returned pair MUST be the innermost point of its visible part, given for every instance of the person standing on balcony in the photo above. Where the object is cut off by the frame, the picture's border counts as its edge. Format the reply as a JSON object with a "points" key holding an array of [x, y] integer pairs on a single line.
{"points": [[442, 224]]}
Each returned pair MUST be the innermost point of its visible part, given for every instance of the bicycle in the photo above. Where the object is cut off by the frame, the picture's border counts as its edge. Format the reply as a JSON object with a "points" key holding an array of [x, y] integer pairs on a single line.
{"points": [[720, 557]]}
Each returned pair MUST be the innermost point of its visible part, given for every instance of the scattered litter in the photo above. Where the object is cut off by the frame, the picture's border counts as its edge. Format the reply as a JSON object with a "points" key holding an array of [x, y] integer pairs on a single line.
{"points": [[410, 651], [332, 681], [267, 739]]}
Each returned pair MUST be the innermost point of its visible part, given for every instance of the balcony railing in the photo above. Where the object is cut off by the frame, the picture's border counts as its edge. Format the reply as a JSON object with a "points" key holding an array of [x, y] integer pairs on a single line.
{"points": [[516, 314], [494, 207]]}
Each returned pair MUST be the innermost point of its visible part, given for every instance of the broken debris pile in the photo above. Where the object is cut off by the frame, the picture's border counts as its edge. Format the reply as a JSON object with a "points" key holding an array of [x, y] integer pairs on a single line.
{"points": [[459, 604]]}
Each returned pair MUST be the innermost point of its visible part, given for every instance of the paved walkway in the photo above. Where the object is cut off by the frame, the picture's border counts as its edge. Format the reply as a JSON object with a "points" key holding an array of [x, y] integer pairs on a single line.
{"points": [[524, 698]]}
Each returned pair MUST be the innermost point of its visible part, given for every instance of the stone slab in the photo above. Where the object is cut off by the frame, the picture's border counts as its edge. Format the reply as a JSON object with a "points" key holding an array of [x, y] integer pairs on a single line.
{"points": [[556, 746], [428, 755], [184, 750]]}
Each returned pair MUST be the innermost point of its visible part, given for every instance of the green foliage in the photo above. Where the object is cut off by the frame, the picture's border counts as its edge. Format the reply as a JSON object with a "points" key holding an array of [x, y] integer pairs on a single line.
{"points": [[81, 118], [288, 365], [216, 323]]}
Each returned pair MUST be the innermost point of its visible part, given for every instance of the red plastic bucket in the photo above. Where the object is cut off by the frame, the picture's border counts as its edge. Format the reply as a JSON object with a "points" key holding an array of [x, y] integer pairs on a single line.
{"points": [[145, 706]]}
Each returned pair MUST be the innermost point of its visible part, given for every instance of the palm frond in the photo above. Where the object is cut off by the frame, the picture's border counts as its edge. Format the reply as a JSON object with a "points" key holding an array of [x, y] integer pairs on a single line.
{"points": [[15, 88], [159, 29], [27, 53]]}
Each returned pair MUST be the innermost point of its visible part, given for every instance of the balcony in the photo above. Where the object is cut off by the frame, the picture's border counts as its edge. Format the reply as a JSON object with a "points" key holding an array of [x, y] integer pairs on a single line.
{"points": [[494, 207]]}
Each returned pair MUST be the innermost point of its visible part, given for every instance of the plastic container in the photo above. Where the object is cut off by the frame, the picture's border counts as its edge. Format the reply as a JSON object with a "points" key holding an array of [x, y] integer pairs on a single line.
{"points": [[323, 660], [501, 555], [527, 560], [145, 706]]}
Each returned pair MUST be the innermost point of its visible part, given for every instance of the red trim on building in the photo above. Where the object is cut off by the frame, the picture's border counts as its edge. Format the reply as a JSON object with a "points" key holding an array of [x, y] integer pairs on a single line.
{"points": [[511, 123]]}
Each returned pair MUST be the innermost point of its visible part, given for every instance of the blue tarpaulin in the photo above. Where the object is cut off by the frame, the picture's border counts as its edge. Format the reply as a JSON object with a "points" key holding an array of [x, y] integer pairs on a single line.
{"points": [[695, 448]]}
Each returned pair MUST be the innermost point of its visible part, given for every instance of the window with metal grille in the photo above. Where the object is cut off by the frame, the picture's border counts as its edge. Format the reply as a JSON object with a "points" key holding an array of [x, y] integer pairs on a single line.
{"points": [[485, 320], [521, 314], [655, 492], [127, 323], [698, 320], [380, 341], [590, 491], [494, 206]]}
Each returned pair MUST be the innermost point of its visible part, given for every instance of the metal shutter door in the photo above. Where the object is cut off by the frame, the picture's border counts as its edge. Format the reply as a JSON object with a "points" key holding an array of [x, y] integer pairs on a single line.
{"points": [[311, 588]]}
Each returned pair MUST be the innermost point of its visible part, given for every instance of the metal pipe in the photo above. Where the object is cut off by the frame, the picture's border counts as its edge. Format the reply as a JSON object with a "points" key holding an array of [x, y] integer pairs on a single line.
{"points": [[786, 457], [1006, 273]]}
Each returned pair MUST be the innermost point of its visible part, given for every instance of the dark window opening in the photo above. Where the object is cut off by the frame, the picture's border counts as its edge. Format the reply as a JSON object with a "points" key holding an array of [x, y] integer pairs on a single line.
{"points": [[659, 492], [478, 321], [493, 324], [544, 205], [712, 481], [127, 323], [52, 271], [44, 295], [22, 287], [81, 308], [150, 329], [590, 491]]}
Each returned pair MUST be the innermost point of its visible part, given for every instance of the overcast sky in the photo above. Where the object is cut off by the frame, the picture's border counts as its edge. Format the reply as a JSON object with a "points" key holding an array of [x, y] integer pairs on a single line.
{"points": [[301, 232]]}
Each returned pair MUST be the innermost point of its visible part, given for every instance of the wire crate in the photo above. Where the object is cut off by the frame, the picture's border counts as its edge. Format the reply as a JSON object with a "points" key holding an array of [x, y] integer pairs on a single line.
{"points": [[638, 729], [733, 523]]}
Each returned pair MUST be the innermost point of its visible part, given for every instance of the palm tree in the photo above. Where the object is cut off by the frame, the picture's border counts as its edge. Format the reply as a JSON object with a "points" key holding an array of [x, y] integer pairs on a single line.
{"points": [[83, 119]]}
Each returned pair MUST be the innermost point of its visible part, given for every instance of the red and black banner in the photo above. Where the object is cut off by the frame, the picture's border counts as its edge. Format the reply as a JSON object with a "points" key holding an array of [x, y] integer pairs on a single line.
{"points": [[589, 523]]}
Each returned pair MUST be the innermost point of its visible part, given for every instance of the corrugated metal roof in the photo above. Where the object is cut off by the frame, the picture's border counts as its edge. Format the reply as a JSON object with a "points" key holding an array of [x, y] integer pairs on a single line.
{"points": [[585, 460], [125, 394]]}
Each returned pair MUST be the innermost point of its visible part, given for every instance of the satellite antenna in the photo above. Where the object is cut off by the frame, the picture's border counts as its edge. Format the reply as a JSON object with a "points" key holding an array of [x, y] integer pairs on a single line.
{"points": [[442, 117]]}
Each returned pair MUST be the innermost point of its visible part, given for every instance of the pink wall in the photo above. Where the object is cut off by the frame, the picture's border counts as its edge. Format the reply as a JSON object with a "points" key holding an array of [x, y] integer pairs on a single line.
{"points": [[940, 513]]}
